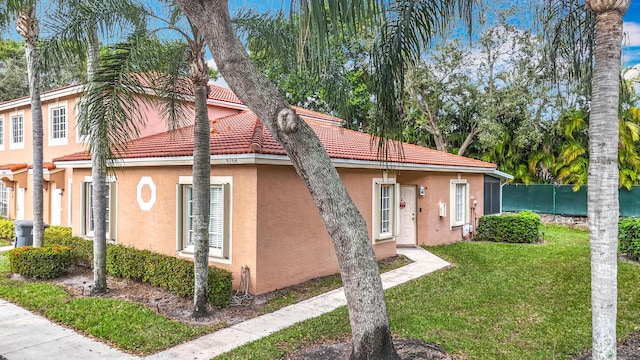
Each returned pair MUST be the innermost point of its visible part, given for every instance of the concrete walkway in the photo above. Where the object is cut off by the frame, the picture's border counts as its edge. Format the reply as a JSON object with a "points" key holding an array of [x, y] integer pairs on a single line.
{"points": [[24, 335]]}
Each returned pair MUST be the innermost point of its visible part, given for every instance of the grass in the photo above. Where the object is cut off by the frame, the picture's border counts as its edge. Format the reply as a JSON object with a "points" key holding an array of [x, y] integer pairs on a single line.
{"points": [[4, 242], [133, 327], [309, 289], [499, 301], [130, 326]]}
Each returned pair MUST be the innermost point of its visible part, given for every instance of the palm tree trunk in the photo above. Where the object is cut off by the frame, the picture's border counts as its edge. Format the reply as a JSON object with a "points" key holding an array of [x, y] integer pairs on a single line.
{"points": [[98, 178], [371, 335], [603, 207], [201, 175], [27, 26]]}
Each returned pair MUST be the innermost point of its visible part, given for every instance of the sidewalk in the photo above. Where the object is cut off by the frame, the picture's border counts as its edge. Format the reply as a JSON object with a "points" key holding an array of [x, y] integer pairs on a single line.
{"points": [[27, 336]]}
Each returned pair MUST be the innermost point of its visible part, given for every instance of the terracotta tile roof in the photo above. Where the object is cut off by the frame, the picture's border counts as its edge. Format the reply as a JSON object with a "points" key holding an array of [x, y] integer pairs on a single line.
{"points": [[222, 94], [13, 167], [242, 133], [45, 165]]}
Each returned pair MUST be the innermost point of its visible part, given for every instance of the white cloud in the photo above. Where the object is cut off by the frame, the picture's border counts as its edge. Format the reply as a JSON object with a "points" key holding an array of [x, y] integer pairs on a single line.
{"points": [[632, 33]]}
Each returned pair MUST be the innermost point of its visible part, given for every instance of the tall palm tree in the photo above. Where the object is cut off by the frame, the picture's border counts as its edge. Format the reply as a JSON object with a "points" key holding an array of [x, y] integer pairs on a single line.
{"points": [[602, 202], [413, 25], [75, 28], [24, 12], [198, 74]]}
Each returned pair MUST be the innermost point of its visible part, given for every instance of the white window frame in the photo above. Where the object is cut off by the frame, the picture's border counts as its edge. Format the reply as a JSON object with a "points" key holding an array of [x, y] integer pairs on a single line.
{"points": [[459, 201], [1, 133], [86, 211], [386, 209], [12, 143], [61, 140], [220, 224], [4, 201]]}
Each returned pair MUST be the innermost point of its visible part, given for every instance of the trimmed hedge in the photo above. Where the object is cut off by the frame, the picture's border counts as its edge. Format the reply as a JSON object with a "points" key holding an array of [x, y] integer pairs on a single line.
{"points": [[168, 272], [46, 262], [520, 228], [7, 230], [629, 237]]}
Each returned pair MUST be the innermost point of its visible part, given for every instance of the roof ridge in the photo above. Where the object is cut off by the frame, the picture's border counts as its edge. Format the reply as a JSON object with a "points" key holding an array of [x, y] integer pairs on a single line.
{"points": [[257, 137]]}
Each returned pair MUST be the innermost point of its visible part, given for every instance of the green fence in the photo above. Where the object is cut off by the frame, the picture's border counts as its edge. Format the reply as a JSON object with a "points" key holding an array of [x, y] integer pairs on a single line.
{"points": [[562, 200]]}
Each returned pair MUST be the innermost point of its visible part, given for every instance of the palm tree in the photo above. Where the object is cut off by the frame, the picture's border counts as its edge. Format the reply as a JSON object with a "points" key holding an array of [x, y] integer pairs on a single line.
{"points": [[24, 12], [75, 27], [603, 206], [198, 73], [371, 335]]}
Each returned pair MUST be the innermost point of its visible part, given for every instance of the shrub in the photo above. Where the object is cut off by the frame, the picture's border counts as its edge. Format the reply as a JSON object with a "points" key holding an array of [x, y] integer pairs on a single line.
{"points": [[7, 230], [168, 272], [81, 249], [519, 228], [46, 262], [629, 237], [56, 234]]}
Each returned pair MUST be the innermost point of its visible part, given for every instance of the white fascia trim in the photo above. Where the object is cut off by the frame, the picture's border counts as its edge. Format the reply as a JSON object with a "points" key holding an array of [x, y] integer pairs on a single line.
{"points": [[225, 104], [267, 159], [502, 175], [43, 97]]}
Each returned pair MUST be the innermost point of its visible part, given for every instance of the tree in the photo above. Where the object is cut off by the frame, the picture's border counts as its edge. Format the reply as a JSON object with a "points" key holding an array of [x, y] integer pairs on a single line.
{"points": [[105, 115], [371, 336], [603, 206], [343, 88], [24, 12], [198, 74], [14, 82]]}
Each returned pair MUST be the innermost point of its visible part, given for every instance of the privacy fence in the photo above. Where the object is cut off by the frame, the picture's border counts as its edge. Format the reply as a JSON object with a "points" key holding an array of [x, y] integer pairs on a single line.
{"points": [[562, 200]]}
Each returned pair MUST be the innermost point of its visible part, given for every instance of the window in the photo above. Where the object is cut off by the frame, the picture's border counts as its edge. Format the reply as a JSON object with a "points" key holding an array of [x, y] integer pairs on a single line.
{"points": [[1, 133], [219, 217], [88, 225], [17, 132], [459, 202], [492, 195], [385, 209], [58, 126], [4, 200]]}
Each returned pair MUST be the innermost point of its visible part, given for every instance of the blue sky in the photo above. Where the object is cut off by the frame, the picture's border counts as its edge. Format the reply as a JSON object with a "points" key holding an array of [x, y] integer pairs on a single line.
{"points": [[631, 45], [631, 51]]}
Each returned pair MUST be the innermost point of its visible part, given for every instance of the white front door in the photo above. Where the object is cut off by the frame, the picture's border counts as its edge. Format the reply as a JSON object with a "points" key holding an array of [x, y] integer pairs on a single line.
{"points": [[56, 207], [407, 235], [20, 204]]}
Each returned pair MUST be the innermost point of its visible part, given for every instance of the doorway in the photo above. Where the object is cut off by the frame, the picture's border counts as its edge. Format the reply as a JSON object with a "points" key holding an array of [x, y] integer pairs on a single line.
{"points": [[407, 236]]}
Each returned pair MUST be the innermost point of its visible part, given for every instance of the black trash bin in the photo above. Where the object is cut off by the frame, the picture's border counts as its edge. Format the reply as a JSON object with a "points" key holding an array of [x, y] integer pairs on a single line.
{"points": [[24, 232]]}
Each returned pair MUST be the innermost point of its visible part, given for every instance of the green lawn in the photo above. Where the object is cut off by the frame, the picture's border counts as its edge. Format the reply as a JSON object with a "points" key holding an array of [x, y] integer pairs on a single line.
{"points": [[499, 301], [132, 327]]}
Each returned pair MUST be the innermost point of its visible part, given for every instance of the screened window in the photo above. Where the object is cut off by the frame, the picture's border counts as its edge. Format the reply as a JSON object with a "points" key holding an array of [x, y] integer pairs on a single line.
{"points": [[492, 196], [59, 123], [218, 220]]}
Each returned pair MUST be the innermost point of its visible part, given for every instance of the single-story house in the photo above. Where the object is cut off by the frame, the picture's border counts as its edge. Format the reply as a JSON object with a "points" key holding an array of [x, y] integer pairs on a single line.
{"points": [[262, 215]]}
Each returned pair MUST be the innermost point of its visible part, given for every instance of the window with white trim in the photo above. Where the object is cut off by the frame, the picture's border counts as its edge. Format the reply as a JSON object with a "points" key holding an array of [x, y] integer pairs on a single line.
{"points": [[87, 224], [385, 209], [58, 126], [4, 200], [459, 202], [1, 133], [17, 132], [219, 218]]}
